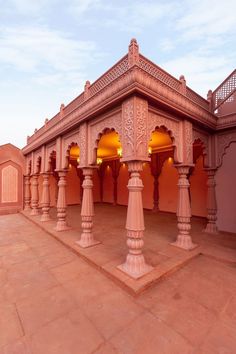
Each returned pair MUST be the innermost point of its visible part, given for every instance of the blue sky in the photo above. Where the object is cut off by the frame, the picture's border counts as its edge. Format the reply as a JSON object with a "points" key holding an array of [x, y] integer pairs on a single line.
{"points": [[49, 48]]}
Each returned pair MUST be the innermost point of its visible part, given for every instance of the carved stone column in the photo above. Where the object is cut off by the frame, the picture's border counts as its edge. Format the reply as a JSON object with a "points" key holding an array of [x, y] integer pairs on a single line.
{"points": [[87, 211], [184, 239], [211, 202], [27, 197], [45, 202], [135, 265], [61, 203], [35, 195]]}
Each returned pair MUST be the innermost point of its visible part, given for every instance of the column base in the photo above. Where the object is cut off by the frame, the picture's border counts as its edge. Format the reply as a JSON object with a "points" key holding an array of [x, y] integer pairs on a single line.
{"points": [[87, 243], [135, 268], [184, 242], [35, 212], [45, 217], [211, 229], [62, 226]]}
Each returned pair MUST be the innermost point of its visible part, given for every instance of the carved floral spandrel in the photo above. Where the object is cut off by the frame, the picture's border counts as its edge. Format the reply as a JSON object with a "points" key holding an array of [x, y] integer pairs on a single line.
{"points": [[224, 142], [158, 121], [198, 135], [96, 129]]}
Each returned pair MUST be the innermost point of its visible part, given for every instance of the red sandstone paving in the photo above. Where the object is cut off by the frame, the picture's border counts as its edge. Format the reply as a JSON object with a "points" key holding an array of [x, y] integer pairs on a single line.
{"points": [[53, 302]]}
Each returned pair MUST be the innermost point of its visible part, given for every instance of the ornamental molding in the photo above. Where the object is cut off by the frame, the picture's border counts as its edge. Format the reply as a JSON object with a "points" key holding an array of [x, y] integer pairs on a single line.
{"points": [[48, 151], [173, 128], [204, 138], [223, 143], [98, 127], [188, 142], [119, 87]]}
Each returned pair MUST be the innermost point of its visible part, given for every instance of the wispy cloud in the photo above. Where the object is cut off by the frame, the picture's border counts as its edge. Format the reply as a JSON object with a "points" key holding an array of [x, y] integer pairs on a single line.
{"points": [[125, 16]]}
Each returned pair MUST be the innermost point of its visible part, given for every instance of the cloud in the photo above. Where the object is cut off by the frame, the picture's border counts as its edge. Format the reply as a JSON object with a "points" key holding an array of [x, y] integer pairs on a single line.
{"points": [[205, 18], [125, 16], [40, 50], [25, 7], [201, 72]]}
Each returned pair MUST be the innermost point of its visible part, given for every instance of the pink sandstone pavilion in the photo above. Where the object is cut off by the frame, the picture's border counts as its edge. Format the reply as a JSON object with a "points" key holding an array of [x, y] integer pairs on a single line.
{"points": [[136, 137]]}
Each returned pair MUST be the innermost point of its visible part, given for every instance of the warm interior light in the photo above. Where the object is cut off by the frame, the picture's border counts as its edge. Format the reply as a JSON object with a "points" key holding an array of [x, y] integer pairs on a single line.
{"points": [[149, 150], [119, 151], [70, 165], [99, 160], [170, 159], [78, 159]]}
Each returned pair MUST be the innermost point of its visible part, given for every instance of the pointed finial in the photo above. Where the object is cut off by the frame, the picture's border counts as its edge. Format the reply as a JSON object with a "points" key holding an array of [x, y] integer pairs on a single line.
{"points": [[86, 89], [46, 121], [62, 106], [183, 84], [133, 55], [209, 95]]}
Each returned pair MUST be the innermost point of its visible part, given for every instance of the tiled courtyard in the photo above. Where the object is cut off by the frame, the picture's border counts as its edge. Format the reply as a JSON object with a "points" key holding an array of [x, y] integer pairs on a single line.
{"points": [[54, 302]]}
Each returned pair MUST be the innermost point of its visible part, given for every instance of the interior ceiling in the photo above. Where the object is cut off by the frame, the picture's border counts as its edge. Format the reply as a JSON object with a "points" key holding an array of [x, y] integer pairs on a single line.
{"points": [[74, 152], [160, 139], [108, 145]]}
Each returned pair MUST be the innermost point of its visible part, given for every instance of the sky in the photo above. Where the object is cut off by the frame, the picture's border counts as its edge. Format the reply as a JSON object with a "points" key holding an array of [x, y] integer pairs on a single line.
{"points": [[49, 48]]}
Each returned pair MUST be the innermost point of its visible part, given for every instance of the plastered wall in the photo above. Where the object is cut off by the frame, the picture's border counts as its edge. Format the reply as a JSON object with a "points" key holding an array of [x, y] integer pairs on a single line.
{"points": [[168, 190], [73, 187], [226, 191], [198, 189]]}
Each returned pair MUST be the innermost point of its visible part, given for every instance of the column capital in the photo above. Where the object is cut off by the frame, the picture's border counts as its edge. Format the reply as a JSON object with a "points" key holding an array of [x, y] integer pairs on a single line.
{"points": [[135, 166], [210, 171]]}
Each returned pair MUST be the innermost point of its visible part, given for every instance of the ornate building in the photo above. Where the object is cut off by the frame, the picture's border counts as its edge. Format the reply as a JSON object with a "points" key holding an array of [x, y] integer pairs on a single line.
{"points": [[136, 127]]}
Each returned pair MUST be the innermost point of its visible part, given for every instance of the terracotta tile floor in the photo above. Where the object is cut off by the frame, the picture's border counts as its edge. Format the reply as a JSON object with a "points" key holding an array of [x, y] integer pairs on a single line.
{"points": [[53, 302]]}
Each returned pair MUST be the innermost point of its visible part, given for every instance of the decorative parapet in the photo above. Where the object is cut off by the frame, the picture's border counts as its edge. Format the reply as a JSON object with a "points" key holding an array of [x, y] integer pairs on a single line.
{"points": [[112, 82]]}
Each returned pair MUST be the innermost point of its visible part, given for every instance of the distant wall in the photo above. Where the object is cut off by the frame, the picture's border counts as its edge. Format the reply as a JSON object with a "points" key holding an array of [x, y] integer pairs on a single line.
{"points": [[168, 190], [12, 164], [198, 189], [226, 191], [72, 187]]}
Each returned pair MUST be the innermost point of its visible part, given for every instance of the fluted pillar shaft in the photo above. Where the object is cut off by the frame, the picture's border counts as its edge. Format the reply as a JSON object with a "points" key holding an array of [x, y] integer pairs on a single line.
{"points": [[35, 195], [135, 265], [61, 203], [211, 202], [45, 202], [87, 211], [184, 239], [27, 194]]}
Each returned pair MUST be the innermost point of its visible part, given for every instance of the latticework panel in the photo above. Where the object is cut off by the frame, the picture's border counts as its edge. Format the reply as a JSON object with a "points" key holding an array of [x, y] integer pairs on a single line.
{"points": [[158, 73], [116, 71], [225, 90]]}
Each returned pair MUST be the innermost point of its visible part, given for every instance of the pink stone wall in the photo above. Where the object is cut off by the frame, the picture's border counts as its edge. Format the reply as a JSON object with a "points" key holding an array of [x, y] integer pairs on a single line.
{"points": [[226, 191], [122, 182], [168, 189], [148, 181], [96, 186], [108, 186], [198, 189], [73, 187], [12, 163], [53, 189]]}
